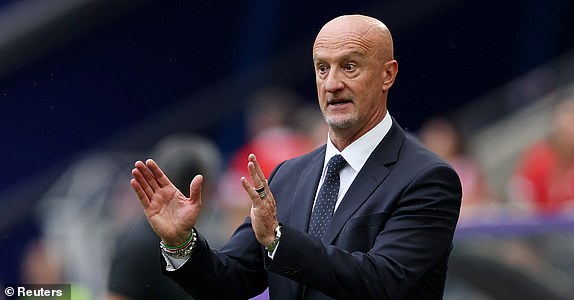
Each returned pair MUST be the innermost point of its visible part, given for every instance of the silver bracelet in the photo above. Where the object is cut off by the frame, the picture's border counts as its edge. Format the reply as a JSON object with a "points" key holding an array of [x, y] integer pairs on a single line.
{"points": [[182, 251]]}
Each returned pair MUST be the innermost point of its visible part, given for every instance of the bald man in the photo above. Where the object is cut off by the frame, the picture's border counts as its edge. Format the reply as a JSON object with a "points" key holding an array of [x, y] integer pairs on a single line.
{"points": [[384, 230]]}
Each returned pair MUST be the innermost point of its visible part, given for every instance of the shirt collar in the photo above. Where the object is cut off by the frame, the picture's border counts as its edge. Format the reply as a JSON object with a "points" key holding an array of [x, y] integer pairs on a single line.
{"points": [[357, 153]]}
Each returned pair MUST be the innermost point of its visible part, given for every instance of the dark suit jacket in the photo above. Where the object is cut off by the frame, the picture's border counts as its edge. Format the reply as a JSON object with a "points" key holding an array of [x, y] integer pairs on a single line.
{"points": [[390, 237]]}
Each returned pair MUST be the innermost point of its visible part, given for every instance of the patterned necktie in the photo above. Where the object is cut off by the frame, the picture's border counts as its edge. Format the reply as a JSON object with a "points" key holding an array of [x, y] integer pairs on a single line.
{"points": [[327, 197]]}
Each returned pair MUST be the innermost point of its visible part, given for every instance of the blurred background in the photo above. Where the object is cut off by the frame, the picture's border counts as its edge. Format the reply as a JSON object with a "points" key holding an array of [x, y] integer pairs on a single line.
{"points": [[87, 87]]}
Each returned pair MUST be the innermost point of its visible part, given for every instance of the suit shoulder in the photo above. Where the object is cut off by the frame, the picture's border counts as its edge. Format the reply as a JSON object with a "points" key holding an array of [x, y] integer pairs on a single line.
{"points": [[418, 155]]}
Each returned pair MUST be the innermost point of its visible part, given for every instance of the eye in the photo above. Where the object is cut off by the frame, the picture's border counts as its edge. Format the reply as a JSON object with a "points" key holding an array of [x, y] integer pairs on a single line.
{"points": [[322, 68], [350, 67]]}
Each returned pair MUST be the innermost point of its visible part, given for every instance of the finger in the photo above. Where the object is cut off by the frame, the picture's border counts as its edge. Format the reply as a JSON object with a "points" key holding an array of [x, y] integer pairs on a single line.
{"points": [[255, 200], [158, 174], [144, 200], [258, 169], [141, 180], [147, 175], [257, 182], [195, 189]]}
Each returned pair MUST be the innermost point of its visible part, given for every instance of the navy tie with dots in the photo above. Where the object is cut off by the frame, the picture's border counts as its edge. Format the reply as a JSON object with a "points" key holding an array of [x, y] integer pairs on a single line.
{"points": [[327, 197]]}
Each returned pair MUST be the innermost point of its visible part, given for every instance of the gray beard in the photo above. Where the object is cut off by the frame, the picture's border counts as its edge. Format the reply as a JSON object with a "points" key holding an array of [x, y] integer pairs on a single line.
{"points": [[339, 124]]}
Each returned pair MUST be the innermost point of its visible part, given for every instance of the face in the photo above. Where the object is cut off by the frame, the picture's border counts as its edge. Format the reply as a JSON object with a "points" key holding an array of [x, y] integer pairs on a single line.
{"points": [[353, 74]]}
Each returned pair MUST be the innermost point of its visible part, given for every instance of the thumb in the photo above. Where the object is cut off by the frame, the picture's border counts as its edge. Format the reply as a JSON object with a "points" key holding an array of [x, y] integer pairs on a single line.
{"points": [[195, 188]]}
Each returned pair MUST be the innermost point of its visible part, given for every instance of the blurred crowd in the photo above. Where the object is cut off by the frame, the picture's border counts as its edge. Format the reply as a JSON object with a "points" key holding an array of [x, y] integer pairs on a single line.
{"points": [[94, 234], [541, 182]]}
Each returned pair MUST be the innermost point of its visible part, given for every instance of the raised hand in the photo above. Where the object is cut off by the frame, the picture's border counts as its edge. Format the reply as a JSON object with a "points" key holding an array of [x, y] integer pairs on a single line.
{"points": [[170, 213], [263, 210]]}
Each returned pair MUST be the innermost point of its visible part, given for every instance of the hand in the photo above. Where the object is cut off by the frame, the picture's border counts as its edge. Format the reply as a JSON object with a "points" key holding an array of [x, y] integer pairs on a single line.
{"points": [[263, 210], [169, 212]]}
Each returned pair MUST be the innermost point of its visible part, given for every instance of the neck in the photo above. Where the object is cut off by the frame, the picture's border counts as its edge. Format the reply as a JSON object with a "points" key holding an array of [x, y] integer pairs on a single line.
{"points": [[343, 137], [341, 140]]}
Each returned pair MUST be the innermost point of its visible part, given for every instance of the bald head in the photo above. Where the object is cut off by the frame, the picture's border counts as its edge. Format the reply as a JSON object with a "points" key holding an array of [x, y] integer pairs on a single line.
{"points": [[354, 70], [367, 33]]}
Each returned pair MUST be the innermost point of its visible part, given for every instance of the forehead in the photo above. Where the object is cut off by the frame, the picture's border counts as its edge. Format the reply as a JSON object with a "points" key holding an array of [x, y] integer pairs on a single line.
{"points": [[336, 41], [332, 47]]}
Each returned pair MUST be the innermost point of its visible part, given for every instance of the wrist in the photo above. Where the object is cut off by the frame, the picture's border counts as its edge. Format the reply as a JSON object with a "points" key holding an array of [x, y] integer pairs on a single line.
{"points": [[182, 250], [179, 241]]}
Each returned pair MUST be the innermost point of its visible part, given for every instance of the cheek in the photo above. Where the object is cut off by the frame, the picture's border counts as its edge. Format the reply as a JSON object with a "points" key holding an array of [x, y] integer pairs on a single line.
{"points": [[320, 90], [318, 84], [373, 89], [318, 80]]}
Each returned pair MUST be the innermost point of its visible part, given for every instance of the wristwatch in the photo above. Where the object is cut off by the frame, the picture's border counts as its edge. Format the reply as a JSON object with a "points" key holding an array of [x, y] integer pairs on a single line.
{"points": [[271, 247]]}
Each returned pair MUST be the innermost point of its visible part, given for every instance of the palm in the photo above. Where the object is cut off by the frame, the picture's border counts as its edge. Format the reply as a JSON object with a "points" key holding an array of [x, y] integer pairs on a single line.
{"points": [[169, 212]]}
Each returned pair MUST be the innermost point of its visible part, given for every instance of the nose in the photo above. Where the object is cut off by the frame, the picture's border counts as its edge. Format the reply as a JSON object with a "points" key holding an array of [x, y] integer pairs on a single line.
{"points": [[333, 81]]}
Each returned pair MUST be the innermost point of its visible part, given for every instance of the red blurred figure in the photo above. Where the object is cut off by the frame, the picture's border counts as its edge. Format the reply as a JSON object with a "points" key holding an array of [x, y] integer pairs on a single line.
{"points": [[544, 177]]}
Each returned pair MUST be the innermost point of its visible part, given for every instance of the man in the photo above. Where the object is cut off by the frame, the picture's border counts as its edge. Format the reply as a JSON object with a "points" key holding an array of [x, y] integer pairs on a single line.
{"points": [[396, 208]]}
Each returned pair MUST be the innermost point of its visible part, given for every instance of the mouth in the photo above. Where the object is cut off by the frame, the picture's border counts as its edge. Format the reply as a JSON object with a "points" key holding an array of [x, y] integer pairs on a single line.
{"points": [[338, 101]]}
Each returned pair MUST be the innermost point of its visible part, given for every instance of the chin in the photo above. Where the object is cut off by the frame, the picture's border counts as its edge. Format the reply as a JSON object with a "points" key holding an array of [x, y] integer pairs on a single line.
{"points": [[340, 123]]}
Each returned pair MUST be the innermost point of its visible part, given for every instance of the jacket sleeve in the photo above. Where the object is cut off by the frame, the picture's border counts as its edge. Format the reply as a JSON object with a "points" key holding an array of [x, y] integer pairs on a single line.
{"points": [[234, 272]]}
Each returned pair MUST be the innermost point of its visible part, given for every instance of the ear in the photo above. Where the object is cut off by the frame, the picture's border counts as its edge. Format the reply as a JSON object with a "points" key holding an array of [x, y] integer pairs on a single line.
{"points": [[391, 68]]}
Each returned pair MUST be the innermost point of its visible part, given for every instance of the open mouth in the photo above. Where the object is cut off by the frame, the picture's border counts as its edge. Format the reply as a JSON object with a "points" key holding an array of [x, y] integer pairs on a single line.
{"points": [[338, 101]]}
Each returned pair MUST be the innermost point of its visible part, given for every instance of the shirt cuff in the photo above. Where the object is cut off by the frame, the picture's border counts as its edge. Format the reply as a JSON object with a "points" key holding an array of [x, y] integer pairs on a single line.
{"points": [[173, 263], [272, 254]]}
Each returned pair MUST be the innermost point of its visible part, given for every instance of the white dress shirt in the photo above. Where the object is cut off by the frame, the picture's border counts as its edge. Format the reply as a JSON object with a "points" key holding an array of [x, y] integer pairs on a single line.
{"points": [[356, 155]]}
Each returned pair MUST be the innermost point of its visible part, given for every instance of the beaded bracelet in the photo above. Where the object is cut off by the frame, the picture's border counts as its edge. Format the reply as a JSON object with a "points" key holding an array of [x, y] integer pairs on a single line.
{"points": [[182, 251]]}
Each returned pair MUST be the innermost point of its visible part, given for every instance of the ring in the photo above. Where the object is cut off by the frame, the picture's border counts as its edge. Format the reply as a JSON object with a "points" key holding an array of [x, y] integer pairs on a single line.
{"points": [[261, 192]]}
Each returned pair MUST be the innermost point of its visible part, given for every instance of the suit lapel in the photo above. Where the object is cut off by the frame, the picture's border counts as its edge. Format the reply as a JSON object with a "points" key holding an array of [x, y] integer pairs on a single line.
{"points": [[304, 194], [369, 178]]}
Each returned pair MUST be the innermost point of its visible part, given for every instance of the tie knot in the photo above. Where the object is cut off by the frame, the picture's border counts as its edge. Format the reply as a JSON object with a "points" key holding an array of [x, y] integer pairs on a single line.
{"points": [[335, 164]]}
